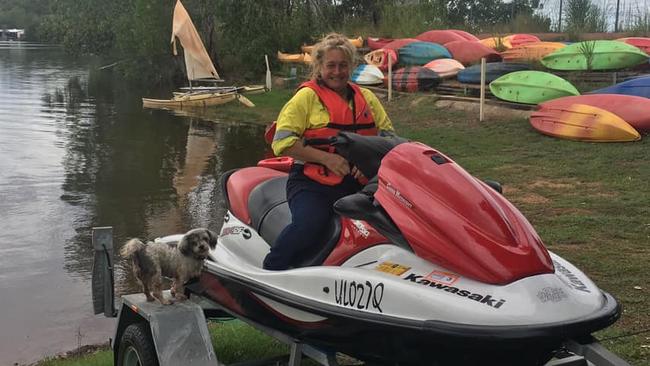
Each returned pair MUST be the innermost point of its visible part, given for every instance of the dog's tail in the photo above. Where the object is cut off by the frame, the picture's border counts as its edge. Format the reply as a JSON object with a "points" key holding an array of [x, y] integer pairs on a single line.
{"points": [[132, 247]]}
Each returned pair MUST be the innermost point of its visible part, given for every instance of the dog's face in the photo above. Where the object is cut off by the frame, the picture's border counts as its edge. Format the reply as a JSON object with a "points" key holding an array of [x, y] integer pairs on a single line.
{"points": [[197, 243]]}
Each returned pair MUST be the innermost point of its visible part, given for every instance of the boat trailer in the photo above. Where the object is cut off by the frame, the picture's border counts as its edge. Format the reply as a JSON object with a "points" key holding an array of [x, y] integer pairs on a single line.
{"points": [[149, 333]]}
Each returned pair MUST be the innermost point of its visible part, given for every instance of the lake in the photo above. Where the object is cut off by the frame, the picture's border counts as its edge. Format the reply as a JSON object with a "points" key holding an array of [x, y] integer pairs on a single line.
{"points": [[77, 150]]}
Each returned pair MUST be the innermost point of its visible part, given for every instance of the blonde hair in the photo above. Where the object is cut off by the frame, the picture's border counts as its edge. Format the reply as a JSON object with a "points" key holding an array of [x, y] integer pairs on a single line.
{"points": [[332, 41]]}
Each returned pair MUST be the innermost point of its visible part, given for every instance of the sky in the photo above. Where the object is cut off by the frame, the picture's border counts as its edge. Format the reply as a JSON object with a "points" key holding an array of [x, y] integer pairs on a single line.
{"points": [[629, 10]]}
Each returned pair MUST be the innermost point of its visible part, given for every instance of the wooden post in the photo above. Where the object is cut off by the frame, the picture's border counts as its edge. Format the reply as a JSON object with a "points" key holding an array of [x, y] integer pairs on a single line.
{"points": [[482, 102], [390, 77]]}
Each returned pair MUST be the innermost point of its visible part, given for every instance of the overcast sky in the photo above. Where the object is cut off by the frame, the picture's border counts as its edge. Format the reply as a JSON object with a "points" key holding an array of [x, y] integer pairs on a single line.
{"points": [[629, 10]]}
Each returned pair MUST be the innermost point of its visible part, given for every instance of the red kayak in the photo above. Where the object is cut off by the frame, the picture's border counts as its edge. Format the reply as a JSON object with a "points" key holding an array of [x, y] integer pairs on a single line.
{"points": [[377, 43], [632, 109], [440, 36], [471, 52]]}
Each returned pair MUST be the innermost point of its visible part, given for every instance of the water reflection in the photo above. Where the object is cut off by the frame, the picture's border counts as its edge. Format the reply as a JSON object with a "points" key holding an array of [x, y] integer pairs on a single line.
{"points": [[147, 173], [76, 151]]}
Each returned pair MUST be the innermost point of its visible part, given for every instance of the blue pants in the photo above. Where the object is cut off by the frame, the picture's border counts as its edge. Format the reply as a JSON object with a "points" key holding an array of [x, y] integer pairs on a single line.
{"points": [[310, 204]]}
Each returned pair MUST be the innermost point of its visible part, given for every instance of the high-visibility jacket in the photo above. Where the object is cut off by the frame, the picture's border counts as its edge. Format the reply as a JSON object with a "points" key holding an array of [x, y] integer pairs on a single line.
{"points": [[344, 116]]}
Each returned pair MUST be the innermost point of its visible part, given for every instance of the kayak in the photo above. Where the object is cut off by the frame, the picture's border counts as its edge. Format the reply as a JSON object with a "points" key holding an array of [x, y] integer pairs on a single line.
{"points": [[639, 87], [356, 42], [380, 58], [414, 79], [606, 55], [367, 75], [440, 36], [642, 43], [528, 52], [419, 53], [531, 87], [445, 67], [582, 122], [632, 109], [493, 71], [471, 52]]}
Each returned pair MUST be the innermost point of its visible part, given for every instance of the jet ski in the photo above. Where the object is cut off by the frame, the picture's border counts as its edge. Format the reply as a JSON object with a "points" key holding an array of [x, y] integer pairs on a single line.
{"points": [[426, 265]]}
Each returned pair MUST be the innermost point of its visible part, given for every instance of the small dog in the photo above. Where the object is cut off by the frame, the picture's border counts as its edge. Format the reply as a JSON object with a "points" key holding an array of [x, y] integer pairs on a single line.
{"points": [[180, 261]]}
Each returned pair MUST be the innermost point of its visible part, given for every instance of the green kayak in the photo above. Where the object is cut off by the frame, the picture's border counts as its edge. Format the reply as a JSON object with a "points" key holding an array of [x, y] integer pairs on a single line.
{"points": [[531, 87], [605, 55]]}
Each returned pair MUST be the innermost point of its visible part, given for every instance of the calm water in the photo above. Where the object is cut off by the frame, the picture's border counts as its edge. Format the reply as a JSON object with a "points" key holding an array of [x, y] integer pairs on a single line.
{"points": [[78, 151]]}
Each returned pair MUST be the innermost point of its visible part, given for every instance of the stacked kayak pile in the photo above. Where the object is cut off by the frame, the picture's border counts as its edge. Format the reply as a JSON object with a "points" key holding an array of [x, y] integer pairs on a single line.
{"points": [[520, 69]]}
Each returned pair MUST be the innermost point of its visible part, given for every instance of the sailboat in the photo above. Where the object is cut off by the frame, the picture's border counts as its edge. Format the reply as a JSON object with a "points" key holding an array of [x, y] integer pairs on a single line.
{"points": [[199, 67]]}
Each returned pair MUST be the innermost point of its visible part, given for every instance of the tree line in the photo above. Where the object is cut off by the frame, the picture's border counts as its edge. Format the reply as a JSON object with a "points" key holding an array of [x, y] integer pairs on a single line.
{"points": [[237, 33]]}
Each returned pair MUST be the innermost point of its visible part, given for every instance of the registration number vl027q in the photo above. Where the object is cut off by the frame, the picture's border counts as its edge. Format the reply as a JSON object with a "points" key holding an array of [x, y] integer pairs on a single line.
{"points": [[363, 295]]}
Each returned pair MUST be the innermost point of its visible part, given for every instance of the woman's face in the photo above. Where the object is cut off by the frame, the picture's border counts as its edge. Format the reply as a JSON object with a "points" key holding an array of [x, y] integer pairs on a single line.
{"points": [[336, 70]]}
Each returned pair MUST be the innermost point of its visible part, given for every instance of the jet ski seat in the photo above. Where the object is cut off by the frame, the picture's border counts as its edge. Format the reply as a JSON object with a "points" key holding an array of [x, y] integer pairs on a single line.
{"points": [[269, 212]]}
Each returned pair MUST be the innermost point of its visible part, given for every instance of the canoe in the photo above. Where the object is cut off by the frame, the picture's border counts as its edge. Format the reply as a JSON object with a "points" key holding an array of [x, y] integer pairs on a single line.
{"points": [[471, 52], [639, 87], [493, 71], [415, 78], [583, 123], [528, 52], [419, 53], [440, 36], [466, 35], [380, 58], [377, 43], [399, 43], [642, 43], [531, 87], [190, 100], [632, 109], [445, 67], [290, 57], [367, 75], [356, 42], [607, 55]]}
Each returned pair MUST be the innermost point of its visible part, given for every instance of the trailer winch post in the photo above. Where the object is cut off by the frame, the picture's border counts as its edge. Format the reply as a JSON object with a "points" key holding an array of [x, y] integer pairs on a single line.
{"points": [[102, 279]]}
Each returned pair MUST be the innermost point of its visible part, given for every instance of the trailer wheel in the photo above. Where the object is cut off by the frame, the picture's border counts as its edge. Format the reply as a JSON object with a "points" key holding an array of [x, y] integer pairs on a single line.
{"points": [[136, 347]]}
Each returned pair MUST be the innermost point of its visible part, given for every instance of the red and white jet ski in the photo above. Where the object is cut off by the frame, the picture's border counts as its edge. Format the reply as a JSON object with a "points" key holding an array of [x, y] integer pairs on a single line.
{"points": [[427, 265]]}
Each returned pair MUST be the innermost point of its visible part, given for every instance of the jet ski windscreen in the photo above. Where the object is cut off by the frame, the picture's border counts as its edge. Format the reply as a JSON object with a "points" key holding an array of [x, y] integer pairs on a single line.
{"points": [[365, 152]]}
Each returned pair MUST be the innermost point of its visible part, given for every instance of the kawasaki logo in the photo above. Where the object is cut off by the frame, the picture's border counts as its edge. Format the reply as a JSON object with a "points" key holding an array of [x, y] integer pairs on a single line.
{"points": [[483, 299], [575, 281]]}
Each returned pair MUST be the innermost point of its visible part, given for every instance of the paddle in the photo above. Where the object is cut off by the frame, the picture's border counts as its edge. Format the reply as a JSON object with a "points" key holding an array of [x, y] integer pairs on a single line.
{"points": [[268, 73], [245, 101]]}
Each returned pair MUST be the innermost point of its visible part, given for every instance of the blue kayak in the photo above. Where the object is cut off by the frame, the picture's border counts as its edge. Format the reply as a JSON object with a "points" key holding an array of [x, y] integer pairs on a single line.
{"points": [[639, 87], [420, 53], [493, 71]]}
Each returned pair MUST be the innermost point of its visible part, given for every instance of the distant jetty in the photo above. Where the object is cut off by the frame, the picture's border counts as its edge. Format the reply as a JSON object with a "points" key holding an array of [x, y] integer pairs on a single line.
{"points": [[12, 34]]}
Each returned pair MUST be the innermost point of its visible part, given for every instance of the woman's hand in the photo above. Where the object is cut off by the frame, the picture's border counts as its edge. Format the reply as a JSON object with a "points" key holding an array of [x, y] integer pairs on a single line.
{"points": [[336, 164], [356, 173]]}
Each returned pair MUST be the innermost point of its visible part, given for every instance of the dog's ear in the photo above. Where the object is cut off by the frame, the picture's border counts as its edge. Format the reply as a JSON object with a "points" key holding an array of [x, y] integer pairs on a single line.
{"points": [[213, 238], [185, 245]]}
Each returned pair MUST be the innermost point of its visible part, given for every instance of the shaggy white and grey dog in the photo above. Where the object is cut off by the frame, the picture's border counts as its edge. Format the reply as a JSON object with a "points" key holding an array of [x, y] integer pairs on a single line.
{"points": [[180, 261]]}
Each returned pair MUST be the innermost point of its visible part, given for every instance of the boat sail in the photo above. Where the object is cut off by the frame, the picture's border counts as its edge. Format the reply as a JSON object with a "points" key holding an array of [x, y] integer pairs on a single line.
{"points": [[199, 67], [197, 61]]}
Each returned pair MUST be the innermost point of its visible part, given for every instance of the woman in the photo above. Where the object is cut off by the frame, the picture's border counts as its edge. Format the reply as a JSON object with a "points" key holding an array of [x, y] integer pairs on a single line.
{"points": [[322, 106]]}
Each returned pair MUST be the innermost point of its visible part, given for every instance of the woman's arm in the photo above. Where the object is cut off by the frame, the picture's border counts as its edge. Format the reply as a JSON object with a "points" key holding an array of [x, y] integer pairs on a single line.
{"points": [[334, 162]]}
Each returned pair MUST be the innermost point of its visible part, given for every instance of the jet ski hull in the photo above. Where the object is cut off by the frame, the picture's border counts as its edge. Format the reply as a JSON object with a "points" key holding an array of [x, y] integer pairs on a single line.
{"points": [[389, 340], [387, 305]]}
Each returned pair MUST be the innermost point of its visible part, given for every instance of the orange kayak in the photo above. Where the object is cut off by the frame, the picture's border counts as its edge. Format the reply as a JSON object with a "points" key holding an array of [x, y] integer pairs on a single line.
{"points": [[533, 51], [356, 42], [582, 122]]}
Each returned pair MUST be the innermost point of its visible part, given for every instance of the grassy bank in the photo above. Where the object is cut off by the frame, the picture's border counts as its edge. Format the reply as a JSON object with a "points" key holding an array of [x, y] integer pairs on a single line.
{"points": [[589, 202]]}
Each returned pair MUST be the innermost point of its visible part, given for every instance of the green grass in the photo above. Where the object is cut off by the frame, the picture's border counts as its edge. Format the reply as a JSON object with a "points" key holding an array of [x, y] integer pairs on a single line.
{"points": [[590, 203]]}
